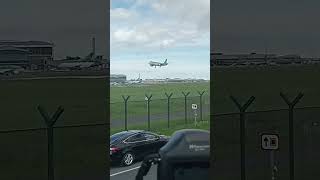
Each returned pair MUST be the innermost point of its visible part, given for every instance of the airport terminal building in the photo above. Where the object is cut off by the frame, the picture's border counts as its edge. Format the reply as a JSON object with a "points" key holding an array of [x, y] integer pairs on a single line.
{"points": [[27, 54]]}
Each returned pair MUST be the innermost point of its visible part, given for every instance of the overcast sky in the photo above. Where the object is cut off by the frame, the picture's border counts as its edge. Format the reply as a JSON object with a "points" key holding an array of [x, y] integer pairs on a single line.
{"points": [[144, 30], [69, 24], [278, 26]]}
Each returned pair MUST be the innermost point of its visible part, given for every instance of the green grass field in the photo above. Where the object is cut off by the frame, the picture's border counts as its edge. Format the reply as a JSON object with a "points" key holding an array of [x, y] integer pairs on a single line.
{"points": [[161, 127], [265, 83], [158, 91], [137, 106], [78, 151], [84, 101]]}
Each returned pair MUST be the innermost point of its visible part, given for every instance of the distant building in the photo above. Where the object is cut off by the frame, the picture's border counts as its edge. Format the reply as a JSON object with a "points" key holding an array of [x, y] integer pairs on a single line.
{"points": [[118, 78], [28, 54], [14, 56], [253, 59], [176, 80], [229, 59], [288, 59]]}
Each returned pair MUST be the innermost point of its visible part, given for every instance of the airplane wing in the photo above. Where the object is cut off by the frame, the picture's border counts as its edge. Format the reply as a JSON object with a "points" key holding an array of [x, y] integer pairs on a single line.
{"points": [[2, 71]]}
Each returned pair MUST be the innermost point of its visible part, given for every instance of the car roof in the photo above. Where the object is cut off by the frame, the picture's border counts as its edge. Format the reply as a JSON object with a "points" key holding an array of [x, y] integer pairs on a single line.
{"points": [[135, 131], [141, 131], [125, 134]]}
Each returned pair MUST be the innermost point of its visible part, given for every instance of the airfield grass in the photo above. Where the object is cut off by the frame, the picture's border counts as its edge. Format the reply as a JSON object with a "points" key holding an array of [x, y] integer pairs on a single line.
{"points": [[137, 106], [265, 83], [138, 92], [78, 150], [225, 130], [77, 154], [138, 109], [84, 101], [161, 126]]}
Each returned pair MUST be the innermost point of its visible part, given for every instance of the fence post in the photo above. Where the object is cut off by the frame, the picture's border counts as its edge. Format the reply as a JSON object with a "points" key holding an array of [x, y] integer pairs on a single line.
{"points": [[148, 99], [201, 94], [50, 122], [168, 98], [242, 109], [291, 105], [125, 99], [185, 105]]}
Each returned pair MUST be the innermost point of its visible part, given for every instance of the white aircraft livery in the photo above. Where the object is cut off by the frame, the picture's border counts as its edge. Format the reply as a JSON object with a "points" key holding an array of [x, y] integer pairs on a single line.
{"points": [[155, 64]]}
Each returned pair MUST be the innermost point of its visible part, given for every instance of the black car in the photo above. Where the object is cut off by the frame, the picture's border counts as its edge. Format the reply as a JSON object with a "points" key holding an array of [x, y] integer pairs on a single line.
{"points": [[128, 146]]}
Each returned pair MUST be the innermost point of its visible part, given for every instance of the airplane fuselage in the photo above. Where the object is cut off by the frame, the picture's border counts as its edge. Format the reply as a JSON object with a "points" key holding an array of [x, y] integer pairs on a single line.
{"points": [[155, 64]]}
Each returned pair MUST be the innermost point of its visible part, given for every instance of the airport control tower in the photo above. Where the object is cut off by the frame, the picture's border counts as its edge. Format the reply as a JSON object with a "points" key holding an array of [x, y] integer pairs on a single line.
{"points": [[93, 47]]}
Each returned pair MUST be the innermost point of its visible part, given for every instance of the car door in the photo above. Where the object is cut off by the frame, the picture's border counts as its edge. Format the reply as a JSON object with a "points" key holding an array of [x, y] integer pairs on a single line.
{"points": [[151, 143], [136, 144]]}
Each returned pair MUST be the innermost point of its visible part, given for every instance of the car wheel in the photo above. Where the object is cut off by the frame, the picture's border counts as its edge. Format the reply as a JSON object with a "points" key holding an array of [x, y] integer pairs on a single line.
{"points": [[127, 159]]}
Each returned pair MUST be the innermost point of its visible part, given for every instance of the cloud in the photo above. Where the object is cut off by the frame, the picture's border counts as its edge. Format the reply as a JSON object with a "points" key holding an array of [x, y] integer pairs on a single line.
{"points": [[143, 30], [160, 24], [250, 25], [118, 14], [187, 11]]}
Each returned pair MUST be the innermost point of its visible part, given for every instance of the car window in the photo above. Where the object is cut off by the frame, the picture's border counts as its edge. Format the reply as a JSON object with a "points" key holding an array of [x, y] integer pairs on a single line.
{"points": [[134, 138], [150, 136], [117, 136]]}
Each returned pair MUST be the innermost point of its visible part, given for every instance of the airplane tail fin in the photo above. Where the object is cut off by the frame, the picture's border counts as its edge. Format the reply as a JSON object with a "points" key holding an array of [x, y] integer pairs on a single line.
{"points": [[166, 61]]}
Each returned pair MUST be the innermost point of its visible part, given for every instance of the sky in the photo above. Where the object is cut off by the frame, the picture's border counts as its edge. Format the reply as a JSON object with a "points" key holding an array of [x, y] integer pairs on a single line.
{"points": [[272, 26], [155, 30], [69, 24]]}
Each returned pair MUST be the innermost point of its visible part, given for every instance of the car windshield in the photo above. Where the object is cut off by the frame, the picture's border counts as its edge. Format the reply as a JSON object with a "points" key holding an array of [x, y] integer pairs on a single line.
{"points": [[116, 136]]}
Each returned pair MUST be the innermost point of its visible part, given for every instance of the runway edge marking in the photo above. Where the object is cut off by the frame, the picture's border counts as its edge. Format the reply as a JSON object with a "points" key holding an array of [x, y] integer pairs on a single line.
{"points": [[121, 172]]}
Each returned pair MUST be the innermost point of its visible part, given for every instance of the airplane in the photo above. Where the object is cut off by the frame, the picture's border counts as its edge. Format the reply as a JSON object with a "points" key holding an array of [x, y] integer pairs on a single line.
{"points": [[135, 81], [155, 64], [10, 70], [7, 72]]}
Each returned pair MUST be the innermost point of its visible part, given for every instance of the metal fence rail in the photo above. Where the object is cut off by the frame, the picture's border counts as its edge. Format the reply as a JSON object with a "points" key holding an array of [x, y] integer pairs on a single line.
{"points": [[23, 151], [131, 113], [237, 138]]}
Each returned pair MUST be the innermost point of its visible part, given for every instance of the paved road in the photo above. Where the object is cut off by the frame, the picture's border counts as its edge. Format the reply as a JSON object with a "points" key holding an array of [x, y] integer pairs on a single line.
{"points": [[129, 173]]}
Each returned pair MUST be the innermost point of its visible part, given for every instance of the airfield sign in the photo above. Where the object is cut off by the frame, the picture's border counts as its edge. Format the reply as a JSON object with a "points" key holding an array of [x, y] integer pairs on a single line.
{"points": [[270, 141], [195, 107]]}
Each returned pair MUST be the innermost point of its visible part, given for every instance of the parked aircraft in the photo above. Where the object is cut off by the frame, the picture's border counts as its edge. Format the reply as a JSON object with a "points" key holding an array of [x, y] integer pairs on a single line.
{"points": [[135, 81], [10, 70]]}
